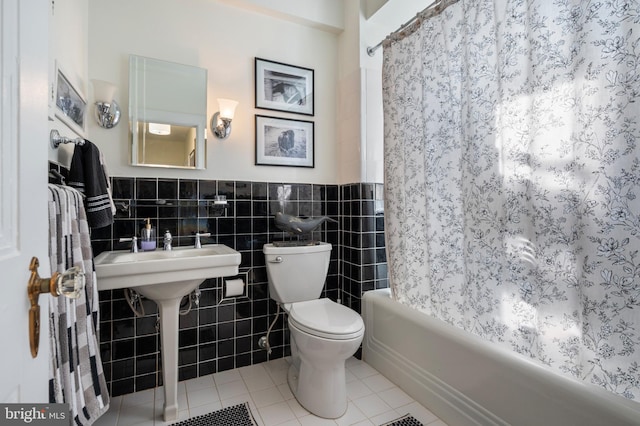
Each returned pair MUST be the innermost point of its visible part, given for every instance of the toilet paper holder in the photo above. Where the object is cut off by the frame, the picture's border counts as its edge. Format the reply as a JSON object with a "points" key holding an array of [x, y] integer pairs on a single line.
{"points": [[235, 287]]}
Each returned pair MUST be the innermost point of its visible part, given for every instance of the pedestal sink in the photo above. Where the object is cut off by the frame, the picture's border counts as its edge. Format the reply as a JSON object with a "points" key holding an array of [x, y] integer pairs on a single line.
{"points": [[166, 277]]}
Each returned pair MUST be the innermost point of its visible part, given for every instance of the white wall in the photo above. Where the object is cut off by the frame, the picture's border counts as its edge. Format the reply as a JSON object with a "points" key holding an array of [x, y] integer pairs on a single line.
{"points": [[95, 39], [68, 50], [323, 14], [223, 39], [387, 16], [349, 113]]}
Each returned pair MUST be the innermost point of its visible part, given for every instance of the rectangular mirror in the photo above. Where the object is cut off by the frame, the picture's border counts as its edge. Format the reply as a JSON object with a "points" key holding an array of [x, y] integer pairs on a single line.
{"points": [[167, 113]]}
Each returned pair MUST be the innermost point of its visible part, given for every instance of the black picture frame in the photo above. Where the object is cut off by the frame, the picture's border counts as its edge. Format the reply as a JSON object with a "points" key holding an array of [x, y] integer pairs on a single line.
{"points": [[283, 87], [284, 142]]}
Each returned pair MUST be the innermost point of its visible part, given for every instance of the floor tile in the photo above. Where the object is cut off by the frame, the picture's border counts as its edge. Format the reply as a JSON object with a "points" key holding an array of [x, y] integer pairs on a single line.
{"points": [[266, 397], [371, 405], [419, 412], [232, 389], [138, 398], [311, 420], [297, 409], [353, 415], [377, 382], [202, 397], [362, 370], [204, 409], [226, 377], [386, 417], [198, 383], [395, 397], [357, 389], [372, 399], [276, 414]]}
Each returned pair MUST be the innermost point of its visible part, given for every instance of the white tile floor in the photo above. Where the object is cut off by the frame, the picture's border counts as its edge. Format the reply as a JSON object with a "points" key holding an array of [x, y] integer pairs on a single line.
{"points": [[373, 399]]}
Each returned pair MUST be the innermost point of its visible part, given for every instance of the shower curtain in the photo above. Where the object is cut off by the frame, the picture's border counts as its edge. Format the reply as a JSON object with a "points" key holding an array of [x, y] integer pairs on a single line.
{"points": [[512, 177]]}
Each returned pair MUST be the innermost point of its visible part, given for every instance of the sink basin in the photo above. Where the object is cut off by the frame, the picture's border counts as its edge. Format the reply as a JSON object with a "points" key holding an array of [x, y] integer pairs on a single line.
{"points": [[148, 271], [166, 277]]}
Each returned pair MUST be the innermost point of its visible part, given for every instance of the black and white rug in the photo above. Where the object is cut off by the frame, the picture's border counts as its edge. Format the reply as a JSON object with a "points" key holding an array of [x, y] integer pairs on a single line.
{"points": [[406, 420], [237, 415]]}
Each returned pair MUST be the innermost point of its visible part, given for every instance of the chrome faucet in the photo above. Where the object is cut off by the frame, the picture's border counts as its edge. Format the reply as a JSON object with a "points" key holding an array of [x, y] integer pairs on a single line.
{"points": [[134, 243], [198, 235], [167, 241]]}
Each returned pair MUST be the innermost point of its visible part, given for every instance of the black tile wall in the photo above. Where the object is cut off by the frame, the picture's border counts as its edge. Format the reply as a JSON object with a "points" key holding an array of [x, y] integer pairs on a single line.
{"points": [[362, 250], [219, 335], [215, 335]]}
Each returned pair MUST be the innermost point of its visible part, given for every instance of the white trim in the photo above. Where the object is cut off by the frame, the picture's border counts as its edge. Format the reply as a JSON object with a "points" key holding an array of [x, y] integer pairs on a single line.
{"points": [[9, 78]]}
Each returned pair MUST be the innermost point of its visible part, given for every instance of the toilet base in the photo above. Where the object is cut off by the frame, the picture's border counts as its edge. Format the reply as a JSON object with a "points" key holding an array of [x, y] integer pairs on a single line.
{"points": [[317, 373], [322, 392]]}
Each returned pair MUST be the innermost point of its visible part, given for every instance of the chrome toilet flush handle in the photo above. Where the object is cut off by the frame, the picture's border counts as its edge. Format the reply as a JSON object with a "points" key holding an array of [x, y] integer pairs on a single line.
{"points": [[277, 259]]}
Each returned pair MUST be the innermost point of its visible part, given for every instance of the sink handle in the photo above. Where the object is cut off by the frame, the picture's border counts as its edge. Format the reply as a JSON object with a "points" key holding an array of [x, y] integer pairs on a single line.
{"points": [[134, 243], [198, 235]]}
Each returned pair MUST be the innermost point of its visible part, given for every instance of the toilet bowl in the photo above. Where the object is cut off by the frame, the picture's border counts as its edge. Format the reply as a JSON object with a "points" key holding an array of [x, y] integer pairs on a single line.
{"points": [[324, 334]]}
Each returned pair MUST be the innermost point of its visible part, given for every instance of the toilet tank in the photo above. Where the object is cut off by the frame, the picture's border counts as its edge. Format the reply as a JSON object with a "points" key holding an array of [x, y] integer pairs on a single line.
{"points": [[296, 273]]}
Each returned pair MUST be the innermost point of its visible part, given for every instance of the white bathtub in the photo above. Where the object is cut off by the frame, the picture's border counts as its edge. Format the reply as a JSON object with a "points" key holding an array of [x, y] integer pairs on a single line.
{"points": [[467, 381]]}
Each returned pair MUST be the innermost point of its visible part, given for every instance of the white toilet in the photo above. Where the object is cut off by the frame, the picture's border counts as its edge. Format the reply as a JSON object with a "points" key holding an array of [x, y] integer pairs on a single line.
{"points": [[324, 334]]}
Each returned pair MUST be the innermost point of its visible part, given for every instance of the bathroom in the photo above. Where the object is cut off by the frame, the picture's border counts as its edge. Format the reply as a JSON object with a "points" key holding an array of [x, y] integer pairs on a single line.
{"points": [[94, 40], [219, 36]]}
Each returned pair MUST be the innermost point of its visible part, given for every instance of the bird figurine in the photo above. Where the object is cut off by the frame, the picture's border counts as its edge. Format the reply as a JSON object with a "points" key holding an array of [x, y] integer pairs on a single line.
{"points": [[296, 225]]}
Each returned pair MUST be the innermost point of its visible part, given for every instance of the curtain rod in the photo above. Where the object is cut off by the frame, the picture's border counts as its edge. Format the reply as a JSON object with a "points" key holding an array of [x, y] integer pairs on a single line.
{"points": [[433, 9]]}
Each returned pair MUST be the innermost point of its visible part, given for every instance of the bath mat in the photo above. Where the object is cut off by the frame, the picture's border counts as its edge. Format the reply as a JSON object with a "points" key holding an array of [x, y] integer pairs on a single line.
{"points": [[237, 415], [406, 420]]}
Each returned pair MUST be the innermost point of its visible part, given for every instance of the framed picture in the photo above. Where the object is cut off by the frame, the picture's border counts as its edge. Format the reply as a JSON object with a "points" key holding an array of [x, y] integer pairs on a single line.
{"points": [[282, 142], [70, 106], [283, 87]]}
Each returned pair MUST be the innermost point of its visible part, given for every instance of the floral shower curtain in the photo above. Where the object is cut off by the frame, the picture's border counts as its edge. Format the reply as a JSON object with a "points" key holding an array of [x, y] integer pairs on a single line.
{"points": [[512, 177]]}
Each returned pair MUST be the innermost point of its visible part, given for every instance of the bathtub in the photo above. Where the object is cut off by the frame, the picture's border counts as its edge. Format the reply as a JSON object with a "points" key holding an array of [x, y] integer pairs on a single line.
{"points": [[465, 380]]}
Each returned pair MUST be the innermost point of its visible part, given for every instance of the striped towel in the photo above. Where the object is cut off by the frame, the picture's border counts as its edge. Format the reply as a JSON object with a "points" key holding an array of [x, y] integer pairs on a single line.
{"points": [[87, 175], [76, 375]]}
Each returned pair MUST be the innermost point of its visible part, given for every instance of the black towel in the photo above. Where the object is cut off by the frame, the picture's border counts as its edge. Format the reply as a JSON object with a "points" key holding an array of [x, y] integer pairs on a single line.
{"points": [[87, 176]]}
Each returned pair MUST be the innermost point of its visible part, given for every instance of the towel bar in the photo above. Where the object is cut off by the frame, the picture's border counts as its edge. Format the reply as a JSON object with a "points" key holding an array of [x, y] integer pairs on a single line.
{"points": [[56, 139]]}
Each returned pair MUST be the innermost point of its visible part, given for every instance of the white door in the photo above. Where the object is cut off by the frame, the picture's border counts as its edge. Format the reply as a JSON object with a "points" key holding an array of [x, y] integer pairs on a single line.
{"points": [[23, 194]]}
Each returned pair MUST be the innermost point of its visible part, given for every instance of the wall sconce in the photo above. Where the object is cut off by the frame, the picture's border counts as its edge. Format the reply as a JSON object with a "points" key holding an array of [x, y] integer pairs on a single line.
{"points": [[221, 121], [70, 283], [107, 111]]}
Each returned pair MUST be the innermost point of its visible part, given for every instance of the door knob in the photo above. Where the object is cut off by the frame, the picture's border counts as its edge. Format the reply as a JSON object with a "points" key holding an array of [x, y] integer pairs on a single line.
{"points": [[70, 283]]}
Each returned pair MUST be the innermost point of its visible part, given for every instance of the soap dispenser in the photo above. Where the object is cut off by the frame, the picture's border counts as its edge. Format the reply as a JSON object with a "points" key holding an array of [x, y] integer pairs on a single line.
{"points": [[148, 237]]}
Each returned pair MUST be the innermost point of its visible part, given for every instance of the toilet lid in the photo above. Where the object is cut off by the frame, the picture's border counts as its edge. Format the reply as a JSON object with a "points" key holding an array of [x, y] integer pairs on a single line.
{"points": [[325, 318]]}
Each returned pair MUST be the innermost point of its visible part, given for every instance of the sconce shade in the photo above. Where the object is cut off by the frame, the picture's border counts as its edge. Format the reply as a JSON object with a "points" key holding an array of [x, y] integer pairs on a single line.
{"points": [[103, 91], [227, 108], [159, 129], [221, 120], [107, 110]]}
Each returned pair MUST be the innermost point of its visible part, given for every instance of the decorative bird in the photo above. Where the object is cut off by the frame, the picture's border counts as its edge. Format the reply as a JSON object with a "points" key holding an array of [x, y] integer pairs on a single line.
{"points": [[296, 225]]}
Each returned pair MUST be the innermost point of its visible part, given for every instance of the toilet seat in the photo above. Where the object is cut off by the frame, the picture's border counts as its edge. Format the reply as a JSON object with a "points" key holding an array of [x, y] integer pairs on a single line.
{"points": [[326, 318]]}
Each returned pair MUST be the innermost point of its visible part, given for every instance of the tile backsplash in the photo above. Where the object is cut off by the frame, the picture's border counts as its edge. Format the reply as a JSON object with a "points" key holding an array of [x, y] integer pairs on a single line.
{"points": [[217, 335]]}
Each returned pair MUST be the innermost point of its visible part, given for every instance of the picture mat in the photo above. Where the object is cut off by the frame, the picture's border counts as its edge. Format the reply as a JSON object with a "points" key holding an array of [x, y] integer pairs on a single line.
{"points": [[282, 142], [273, 77]]}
